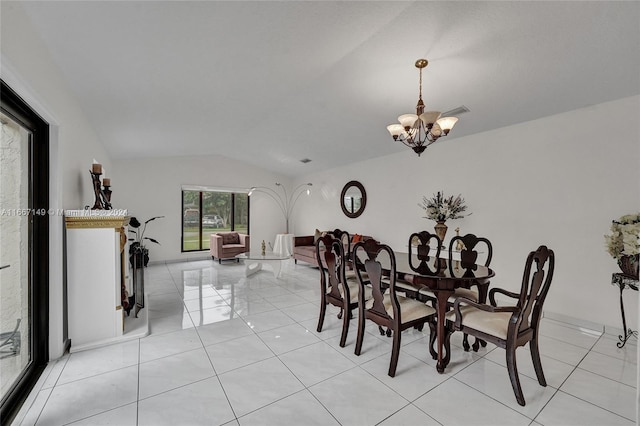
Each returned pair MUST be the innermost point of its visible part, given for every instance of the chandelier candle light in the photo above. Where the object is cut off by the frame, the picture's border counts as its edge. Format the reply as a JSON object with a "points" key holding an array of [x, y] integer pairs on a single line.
{"points": [[284, 200], [419, 130]]}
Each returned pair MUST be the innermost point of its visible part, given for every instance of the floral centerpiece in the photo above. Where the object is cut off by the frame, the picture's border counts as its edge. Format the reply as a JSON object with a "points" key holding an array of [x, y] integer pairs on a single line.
{"points": [[622, 243], [441, 208]]}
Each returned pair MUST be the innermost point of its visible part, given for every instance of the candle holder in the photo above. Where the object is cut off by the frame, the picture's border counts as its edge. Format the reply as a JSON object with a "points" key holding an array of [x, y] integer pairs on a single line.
{"points": [[107, 195], [102, 196], [98, 204]]}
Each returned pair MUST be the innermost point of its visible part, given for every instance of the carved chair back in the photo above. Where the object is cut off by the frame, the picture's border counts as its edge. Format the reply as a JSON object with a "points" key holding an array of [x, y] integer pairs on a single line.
{"points": [[469, 253], [370, 254], [426, 242], [331, 260], [344, 237], [535, 286]]}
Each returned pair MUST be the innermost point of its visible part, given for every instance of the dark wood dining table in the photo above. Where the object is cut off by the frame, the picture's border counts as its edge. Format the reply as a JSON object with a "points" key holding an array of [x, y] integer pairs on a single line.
{"points": [[446, 276]]}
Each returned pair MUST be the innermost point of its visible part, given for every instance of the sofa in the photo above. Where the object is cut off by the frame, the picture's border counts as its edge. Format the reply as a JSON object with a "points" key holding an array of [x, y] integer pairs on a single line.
{"points": [[227, 245], [304, 248]]}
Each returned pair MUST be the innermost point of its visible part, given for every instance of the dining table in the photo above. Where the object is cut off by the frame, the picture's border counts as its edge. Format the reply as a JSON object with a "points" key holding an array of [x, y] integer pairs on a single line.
{"points": [[442, 276]]}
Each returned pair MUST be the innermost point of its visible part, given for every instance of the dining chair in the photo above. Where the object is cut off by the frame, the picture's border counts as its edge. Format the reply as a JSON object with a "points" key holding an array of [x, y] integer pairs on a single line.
{"points": [[425, 242], [343, 236], [345, 239], [336, 289], [471, 247], [427, 247], [386, 307], [510, 327]]}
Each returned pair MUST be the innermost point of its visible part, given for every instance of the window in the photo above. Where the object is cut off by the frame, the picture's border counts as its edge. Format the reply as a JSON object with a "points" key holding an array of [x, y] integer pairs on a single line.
{"points": [[207, 211]]}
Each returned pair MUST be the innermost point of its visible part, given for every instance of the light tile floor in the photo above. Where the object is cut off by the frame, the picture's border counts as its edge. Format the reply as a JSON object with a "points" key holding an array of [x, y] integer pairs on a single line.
{"points": [[229, 350]]}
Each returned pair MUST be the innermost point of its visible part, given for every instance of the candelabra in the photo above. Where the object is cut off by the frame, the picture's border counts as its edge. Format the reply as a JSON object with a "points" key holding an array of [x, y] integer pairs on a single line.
{"points": [[102, 196], [284, 200]]}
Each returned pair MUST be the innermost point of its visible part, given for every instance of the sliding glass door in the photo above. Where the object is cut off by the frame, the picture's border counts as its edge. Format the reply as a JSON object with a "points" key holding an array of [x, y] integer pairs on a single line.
{"points": [[23, 250]]}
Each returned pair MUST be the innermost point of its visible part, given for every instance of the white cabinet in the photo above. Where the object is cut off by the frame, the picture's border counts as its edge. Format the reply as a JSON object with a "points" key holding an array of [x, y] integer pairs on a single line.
{"points": [[96, 273]]}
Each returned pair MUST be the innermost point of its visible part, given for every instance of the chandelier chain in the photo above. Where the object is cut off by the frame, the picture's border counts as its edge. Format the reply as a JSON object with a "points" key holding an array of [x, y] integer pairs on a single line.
{"points": [[420, 93]]}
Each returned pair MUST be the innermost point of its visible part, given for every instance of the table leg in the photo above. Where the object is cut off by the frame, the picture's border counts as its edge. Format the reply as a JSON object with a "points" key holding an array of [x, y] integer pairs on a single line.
{"points": [[277, 267], [441, 310], [251, 267]]}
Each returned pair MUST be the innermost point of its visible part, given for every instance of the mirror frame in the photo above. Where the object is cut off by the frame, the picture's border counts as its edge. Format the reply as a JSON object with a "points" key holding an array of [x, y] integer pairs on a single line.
{"points": [[363, 204]]}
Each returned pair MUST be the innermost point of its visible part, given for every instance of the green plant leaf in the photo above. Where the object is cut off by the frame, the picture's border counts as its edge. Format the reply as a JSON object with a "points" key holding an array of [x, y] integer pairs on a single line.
{"points": [[153, 218]]}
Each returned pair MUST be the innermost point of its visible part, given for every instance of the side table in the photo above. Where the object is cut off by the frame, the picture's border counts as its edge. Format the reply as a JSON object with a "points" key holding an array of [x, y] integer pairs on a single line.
{"points": [[283, 244], [624, 281]]}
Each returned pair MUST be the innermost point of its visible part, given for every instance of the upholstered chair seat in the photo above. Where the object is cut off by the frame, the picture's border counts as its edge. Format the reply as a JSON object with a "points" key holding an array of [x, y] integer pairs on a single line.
{"points": [[468, 293], [410, 309], [354, 289], [493, 323], [405, 286]]}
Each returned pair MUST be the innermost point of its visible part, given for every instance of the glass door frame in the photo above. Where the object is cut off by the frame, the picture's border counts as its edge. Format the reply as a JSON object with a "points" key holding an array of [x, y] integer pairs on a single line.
{"points": [[15, 107]]}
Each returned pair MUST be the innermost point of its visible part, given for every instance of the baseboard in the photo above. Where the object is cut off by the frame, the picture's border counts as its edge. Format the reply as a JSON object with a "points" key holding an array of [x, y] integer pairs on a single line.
{"points": [[577, 322], [186, 259]]}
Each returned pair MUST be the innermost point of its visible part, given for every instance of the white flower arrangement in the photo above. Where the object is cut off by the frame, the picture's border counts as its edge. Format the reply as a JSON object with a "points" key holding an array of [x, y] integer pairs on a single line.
{"points": [[441, 208], [623, 240]]}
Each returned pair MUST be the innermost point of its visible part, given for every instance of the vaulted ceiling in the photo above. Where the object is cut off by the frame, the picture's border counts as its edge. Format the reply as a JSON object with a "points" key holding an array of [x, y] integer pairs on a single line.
{"points": [[271, 83]]}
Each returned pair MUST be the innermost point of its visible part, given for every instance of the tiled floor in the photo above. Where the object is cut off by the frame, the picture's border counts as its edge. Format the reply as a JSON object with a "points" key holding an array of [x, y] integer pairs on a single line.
{"points": [[230, 350]]}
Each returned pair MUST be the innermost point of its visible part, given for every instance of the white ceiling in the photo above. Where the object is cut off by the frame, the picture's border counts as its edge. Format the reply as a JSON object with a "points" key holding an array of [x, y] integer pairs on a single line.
{"points": [[271, 83]]}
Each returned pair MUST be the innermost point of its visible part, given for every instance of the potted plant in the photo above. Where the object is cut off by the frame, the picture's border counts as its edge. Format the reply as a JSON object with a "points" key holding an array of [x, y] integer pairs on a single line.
{"points": [[441, 208], [137, 247], [622, 243]]}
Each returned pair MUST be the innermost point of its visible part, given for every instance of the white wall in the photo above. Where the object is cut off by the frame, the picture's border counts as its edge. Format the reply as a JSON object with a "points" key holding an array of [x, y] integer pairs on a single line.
{"points": [[24, 54], [26, 66], [557, 181], [153, 187]]}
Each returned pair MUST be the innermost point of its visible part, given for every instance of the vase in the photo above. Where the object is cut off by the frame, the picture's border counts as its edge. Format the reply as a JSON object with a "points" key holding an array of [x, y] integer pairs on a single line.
{"points": [[441, 231], [629, 265]]}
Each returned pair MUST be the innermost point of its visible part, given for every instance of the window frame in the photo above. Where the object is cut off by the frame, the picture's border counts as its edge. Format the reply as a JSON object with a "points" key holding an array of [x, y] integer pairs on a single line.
{"points": [[201, 190]]}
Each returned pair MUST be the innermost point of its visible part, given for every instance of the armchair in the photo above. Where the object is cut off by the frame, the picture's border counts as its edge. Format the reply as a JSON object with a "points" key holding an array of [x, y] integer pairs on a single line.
{"points": [[510, 326], [227, 245]]}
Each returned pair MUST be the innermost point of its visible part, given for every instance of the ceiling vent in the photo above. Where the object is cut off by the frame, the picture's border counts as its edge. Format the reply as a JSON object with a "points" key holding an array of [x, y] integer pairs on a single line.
{"points": [[457, 111]]}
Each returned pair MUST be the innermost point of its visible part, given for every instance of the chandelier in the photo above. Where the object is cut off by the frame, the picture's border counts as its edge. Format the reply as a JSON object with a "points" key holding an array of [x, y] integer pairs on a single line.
{"points": [[419, 130]]}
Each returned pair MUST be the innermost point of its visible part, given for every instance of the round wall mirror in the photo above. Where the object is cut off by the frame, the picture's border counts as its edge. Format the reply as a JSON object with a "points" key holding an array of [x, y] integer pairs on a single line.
{"points": [[353, 199]]}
